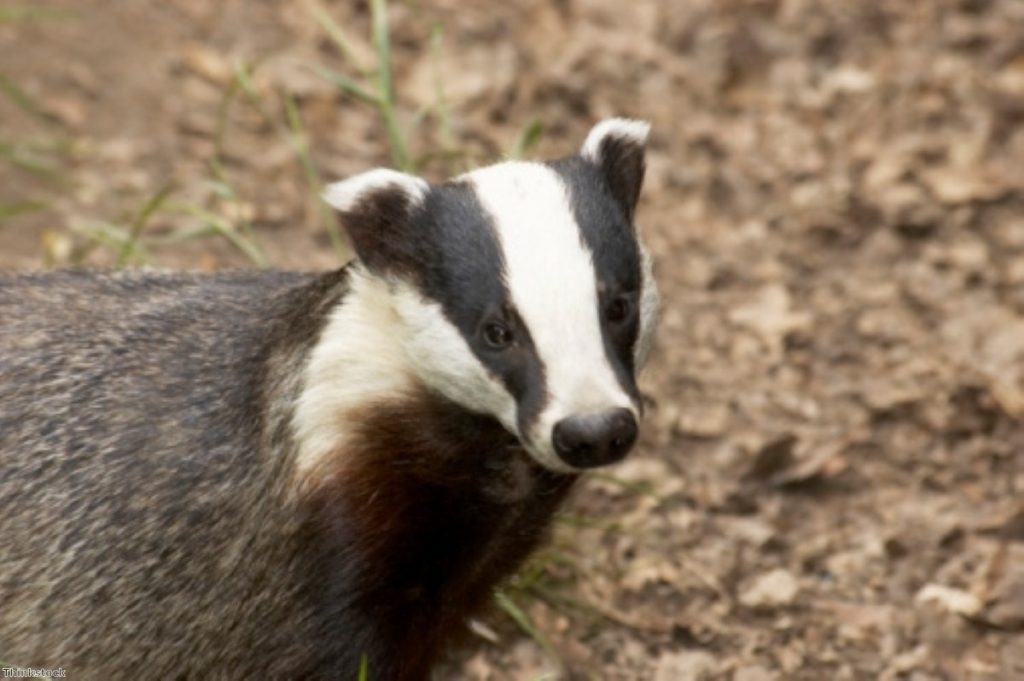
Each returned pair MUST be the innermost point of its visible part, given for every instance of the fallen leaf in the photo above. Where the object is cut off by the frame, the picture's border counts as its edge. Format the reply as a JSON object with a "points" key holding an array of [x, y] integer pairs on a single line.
{"points": [[753, 673], [771, 590], [1005, 603], [949, 599], [688, 665], [955, 185], [707, 421], [773, 457], [771, 316], [827, 462], [208, 64]]}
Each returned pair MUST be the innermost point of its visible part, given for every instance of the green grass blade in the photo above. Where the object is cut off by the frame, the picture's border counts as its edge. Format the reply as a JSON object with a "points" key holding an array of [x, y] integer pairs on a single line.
{"points": [[130, 246], [220, 132], [520, 617], [221, 184], [385, 87], [11, 210], [109, 236], [22, 100], [528, 139], [42, 168], [364, 668], [347, 85], [336, 34], [220, 226], [13, 15], [301, 146], [382, 42], [295, 135], [441, 106]]}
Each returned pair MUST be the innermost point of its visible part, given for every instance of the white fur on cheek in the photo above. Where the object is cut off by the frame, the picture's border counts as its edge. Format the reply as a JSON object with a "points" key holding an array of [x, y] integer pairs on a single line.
{"points": [[550, 275], [446, 363], [650, 309], [357, 358]]}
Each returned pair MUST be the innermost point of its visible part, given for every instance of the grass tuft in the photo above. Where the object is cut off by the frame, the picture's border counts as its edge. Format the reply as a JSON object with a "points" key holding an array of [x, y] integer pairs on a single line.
{"points": [[21, 99], [294, 134], [131, 242], [525, 622], [385, 87], [211, 223], [528, 138], [377, 88], [15, 15], [300, 145], [16, 208]]}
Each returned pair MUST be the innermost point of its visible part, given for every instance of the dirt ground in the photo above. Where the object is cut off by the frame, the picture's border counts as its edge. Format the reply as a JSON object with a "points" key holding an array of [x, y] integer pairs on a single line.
{"points": [[831, 480]]}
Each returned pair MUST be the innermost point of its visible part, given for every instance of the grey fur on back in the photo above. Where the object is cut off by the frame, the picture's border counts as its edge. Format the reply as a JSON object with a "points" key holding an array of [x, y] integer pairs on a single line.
{"points": [[103, 377]]}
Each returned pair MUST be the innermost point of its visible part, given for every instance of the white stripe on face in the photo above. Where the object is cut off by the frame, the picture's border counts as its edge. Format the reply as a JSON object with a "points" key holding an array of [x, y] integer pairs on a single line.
{"points": [[550, 277], [650, 304]]}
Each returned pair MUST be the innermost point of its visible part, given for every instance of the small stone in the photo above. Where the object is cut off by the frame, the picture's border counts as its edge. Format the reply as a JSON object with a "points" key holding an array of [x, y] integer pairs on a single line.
{"points": [[706, 422], [955, 185], [949, 599], [689, 665], [771, 590], [771, 316], [207, 64], [753, 673]]}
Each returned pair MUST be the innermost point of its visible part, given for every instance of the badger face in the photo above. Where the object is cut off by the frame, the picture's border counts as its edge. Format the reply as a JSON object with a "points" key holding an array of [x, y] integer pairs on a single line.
{"points": [[522, 289]]}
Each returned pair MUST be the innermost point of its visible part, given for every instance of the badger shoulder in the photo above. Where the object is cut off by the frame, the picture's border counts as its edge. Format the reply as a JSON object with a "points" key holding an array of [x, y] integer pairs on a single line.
{"points": [[134, 440]]}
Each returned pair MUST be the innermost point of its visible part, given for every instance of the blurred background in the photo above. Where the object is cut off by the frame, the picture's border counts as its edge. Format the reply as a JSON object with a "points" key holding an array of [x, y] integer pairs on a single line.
{"points": [[831, 480]]}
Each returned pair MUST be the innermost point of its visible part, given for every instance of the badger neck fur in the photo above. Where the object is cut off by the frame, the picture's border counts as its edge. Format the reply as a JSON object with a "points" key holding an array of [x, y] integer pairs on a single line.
{"points": [[278, 475], [414, 505]]}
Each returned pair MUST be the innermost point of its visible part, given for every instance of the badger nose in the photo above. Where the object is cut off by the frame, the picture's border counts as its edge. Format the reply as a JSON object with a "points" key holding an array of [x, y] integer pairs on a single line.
{"points": [[589, 440]]}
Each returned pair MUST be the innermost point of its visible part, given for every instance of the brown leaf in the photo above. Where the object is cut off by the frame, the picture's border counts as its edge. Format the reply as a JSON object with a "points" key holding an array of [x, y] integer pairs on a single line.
{"points": [[687, 665], [707, 421], [208, 64], [773, 457], [949, 599], [774, 589], [771, 316], [955, 185], [827, 462]]}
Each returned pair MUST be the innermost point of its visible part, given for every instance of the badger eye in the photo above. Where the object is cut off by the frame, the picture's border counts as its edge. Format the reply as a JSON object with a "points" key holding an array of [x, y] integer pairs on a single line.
{"points": [[618, 309], [497, 335]]}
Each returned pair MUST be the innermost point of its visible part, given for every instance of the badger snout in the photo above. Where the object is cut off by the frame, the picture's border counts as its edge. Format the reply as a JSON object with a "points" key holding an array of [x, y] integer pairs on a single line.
{"points": [[595, 439]]}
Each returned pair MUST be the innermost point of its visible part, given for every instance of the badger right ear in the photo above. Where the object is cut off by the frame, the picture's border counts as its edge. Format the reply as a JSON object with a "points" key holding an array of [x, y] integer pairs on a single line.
{"points": [[375, 208]]}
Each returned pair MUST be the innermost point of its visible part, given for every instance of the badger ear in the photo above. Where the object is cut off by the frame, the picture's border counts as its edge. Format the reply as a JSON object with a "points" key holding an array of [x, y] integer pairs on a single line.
{"points": [[375, 208], [616, 146]]}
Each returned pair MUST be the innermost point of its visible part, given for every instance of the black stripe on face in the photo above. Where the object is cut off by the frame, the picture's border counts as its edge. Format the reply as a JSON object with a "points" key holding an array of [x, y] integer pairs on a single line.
{"points": [[462, 268], [606, 231]]}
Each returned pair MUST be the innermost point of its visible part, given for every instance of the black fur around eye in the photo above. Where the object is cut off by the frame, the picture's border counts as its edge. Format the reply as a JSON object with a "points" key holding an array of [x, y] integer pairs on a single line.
{"points": [[618, 310], [497, 335]]}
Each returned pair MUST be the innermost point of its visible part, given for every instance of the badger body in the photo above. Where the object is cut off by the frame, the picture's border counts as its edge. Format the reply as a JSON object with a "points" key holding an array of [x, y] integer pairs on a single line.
{"points": [[277, 475]]}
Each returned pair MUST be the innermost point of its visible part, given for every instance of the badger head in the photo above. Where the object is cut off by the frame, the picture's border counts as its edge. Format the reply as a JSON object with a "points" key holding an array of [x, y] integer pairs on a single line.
{"points": [[522, 289]]}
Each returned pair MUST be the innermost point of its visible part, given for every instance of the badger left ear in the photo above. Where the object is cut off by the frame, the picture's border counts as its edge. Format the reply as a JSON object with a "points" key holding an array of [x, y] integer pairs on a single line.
{"points": [[375, 209], [616, 146]]}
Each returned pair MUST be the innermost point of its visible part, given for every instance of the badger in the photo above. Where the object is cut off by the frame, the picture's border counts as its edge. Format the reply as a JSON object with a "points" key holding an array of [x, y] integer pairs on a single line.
{"points": [[277, 475]]}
